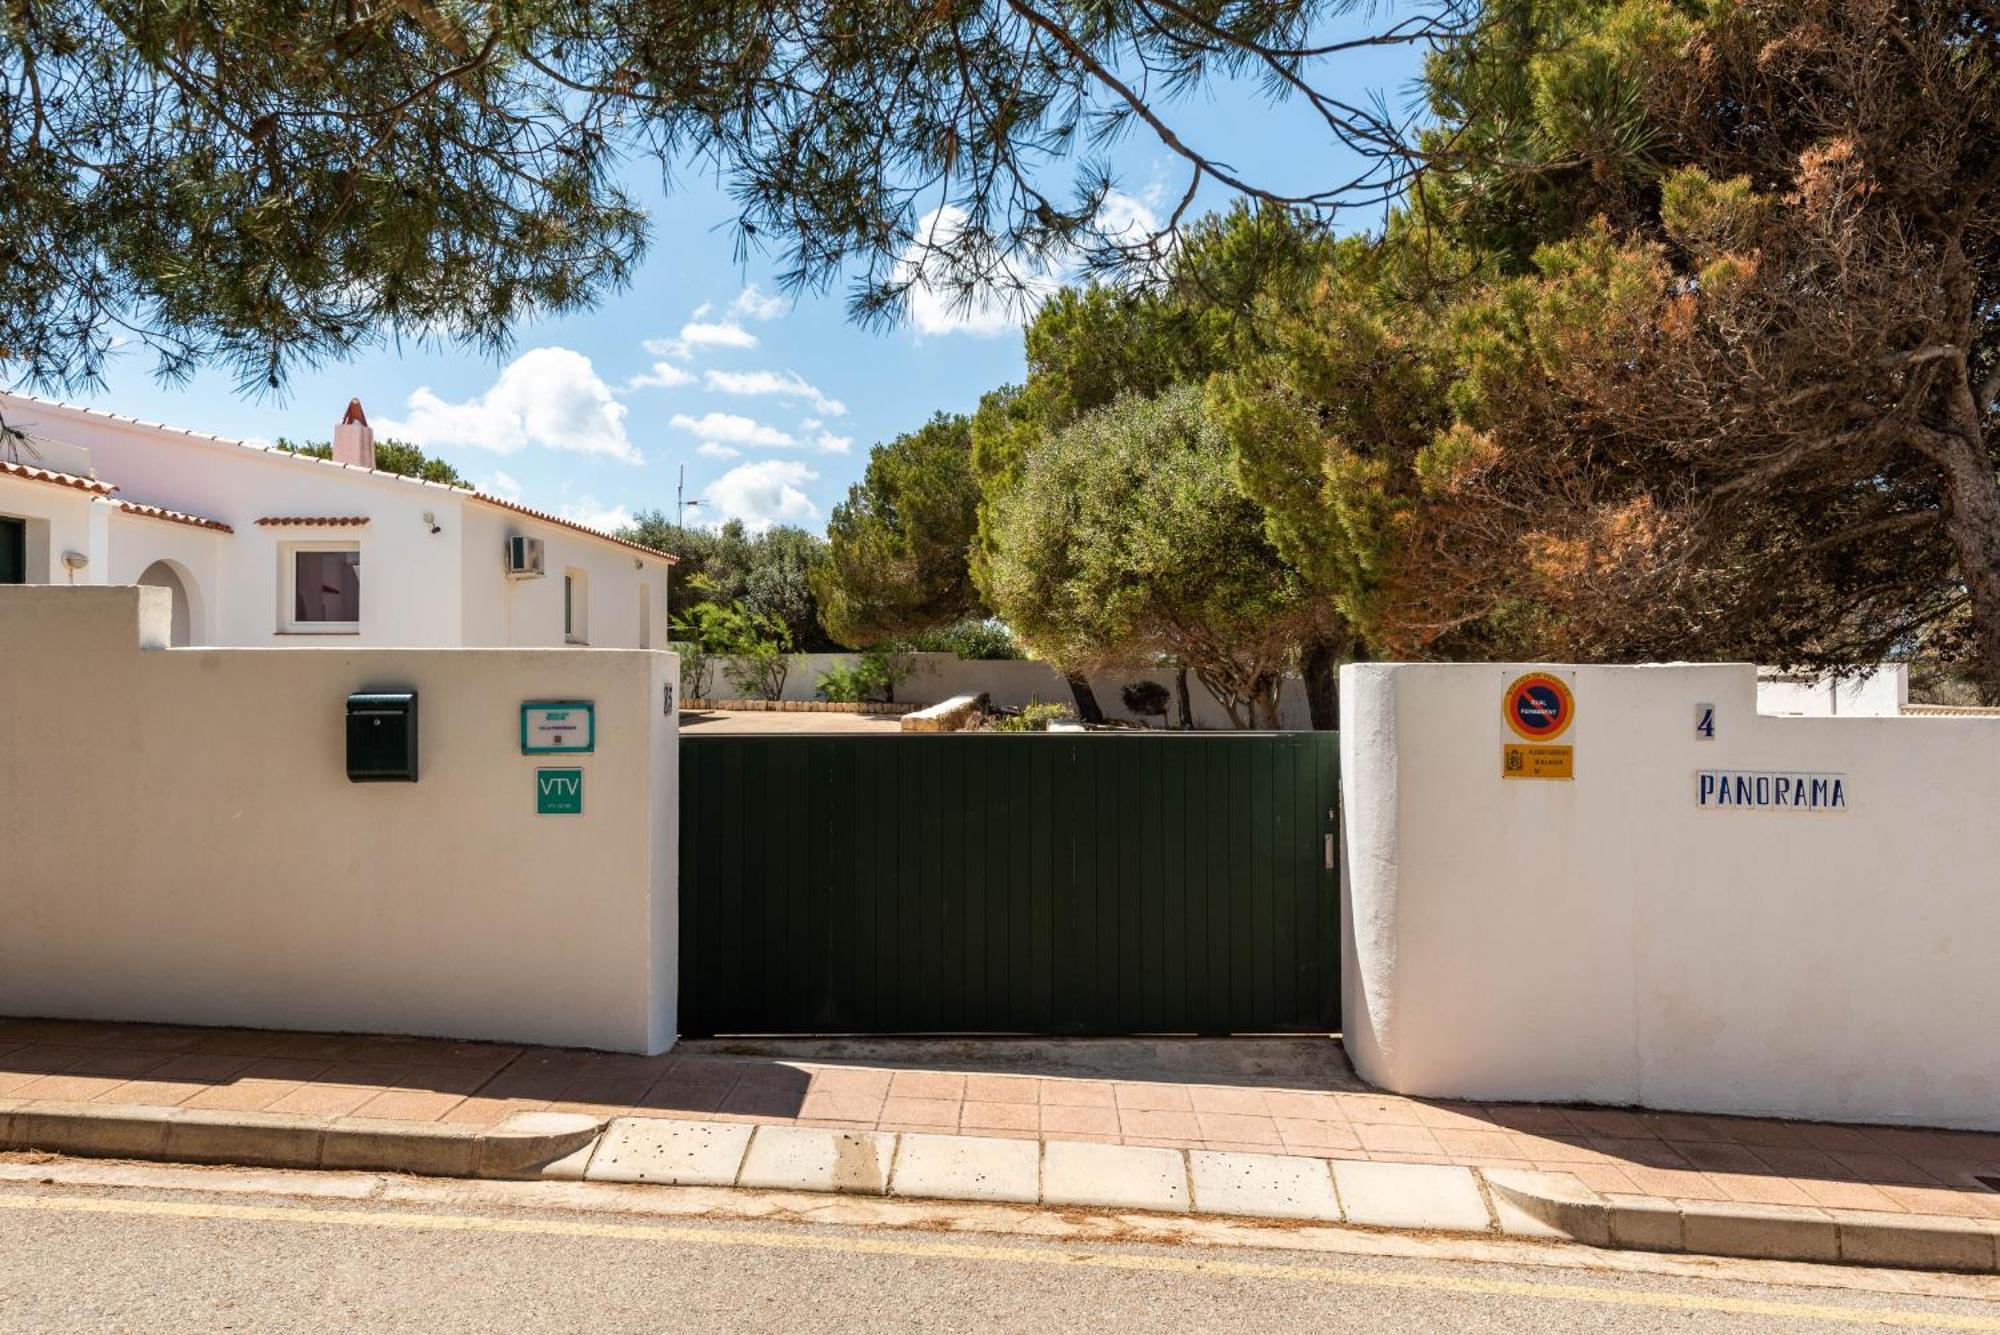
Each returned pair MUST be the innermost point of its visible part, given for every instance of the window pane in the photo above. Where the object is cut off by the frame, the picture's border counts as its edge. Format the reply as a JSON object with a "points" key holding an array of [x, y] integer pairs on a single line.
{"points": [[569, 606], [329, 586]]}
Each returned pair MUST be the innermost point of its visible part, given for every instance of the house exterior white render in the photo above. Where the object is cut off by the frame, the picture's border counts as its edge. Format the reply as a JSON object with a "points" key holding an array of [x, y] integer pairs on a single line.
{"points": [[88, 497]]}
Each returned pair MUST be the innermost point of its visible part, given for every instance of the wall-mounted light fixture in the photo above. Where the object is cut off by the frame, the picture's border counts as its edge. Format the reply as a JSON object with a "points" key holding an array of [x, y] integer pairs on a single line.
{"points": [[431, 519]]}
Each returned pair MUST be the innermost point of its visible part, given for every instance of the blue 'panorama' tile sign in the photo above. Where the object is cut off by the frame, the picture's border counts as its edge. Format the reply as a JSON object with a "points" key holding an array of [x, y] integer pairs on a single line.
{"points": [[1773, 790]]}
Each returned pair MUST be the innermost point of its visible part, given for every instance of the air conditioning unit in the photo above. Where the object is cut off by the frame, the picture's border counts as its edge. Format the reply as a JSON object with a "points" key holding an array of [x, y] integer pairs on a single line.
{"points": [[524, 558]]}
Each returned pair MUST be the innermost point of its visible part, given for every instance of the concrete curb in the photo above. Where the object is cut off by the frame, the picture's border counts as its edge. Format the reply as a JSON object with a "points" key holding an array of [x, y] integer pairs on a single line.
{"points": [[1298, 1188], [1558, 1205], [520, 1147]]}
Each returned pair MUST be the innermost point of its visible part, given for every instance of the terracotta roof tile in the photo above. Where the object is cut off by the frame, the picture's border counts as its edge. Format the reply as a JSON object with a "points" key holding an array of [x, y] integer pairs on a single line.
{"points": [[34, 474], [548, 518], [171, 516]]}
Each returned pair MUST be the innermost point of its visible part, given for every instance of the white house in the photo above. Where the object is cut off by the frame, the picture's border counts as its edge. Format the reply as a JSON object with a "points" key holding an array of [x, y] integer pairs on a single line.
{"points": [[263, 547]]}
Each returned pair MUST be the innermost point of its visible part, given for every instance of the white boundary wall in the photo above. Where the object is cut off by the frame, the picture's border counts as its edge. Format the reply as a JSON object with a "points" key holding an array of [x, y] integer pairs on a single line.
{"points": [[179, 840], [1606, 940]]}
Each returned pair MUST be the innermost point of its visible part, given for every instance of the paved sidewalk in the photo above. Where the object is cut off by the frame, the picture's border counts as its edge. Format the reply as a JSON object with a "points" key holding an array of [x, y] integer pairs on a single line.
{"points": [[1215, 1096]]}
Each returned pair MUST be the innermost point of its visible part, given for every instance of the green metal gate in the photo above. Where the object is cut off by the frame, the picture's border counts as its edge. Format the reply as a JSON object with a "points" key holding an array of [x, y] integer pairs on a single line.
{"points": [[1021, 883]]}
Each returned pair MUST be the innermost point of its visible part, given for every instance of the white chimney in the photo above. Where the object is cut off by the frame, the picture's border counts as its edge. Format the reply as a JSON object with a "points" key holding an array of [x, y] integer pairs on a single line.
{"points": [[354, 439]]}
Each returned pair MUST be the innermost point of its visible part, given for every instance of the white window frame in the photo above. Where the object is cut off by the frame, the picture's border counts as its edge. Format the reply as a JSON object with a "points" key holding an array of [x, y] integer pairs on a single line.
{"points": [[288, 591], [576, 606]]}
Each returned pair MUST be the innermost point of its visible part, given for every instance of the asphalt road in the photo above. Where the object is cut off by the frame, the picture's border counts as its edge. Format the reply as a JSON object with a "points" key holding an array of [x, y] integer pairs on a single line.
{"points": [[74, 1259]]}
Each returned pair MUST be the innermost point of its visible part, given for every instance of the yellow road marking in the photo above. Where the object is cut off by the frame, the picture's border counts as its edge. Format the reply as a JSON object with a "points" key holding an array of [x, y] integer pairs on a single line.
{"points": [[963, 1251]]}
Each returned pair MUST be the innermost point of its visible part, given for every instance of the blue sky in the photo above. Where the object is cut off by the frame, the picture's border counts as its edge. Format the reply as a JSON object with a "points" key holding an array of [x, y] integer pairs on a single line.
{"points": [[770, 404]]}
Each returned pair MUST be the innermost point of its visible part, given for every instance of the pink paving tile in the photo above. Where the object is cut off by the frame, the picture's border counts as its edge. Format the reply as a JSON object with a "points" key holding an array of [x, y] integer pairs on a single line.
{"points": [[1159, 1143], [851, 1081], [763, 1102], [1755, 1131], [1306, 1134], [1385, 1138], [381, 1075], [314, 1047], [1799, 1161], [1558, 1149], [242, 1042], [986, 1117], [323, 1100], [1686, 1126], [45, 1058], [927, 1085], [1881, 1169], [835, 1124], [243, 1095], [1828, 1136], [1761, 1189], [1078, 1093], [1848, 1195], [1213, 1099], [154, 1093], [160, 1037], [842, 1107], [477, 1111], [1379, 1111], [669, 1098], [1532, 1119], [1241, 1128], [1070, 1122], [1158, 1124], [1602, 1177], [1309, 1105], [121, 1064], [1943, 1200], [1676, 1183], [932, 1113], [618, 1091], [1456, 1117], [66, 1088], [409, 1105], [535, 1084], [1643, 1150], [1152, 1098], [1498, 1144], [1610, 1123], [703, 1071], [283, 1068], [455, 1080], [1718, 1157], [1002, 1089]]}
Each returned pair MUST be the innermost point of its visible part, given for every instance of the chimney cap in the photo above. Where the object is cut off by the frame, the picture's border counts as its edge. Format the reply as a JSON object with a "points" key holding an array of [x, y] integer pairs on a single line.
{"points": [[354, 414]]}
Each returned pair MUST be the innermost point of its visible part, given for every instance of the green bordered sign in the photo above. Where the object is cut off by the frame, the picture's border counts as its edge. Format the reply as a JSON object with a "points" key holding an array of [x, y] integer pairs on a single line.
{"points": [[558, 792], [558, 727]]}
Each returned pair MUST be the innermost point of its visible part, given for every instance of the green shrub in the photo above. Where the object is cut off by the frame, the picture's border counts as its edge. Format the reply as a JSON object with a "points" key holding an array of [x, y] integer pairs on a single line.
{"points": [[874, 676], [1035, 717], [977, 640], [1147, 698]]}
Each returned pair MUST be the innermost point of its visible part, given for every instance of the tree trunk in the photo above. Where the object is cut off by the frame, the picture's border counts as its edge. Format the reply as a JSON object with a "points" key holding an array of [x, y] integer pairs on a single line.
{"points": [[1319, 663], [1972, 523], [1087, 708], [1181, 690]]}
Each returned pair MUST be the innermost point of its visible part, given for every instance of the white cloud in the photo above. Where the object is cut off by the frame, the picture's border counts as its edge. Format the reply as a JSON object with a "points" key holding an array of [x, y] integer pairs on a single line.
{"points": [[588, 512], [710, 449], [828, 443], [699, 333], [764, 493], [502, 485], [756, 304], [550, 397], [780, 384], [935, 309], [730, 429], [664, 375]]}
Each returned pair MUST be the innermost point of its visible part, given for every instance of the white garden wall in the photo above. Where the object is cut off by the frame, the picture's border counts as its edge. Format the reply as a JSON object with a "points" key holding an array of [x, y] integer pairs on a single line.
{"points": [[1605, 939], [179, 840]]}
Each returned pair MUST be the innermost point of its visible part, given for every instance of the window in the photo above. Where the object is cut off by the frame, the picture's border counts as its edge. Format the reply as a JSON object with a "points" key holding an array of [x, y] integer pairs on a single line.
{"points": [[576, 607], [645, 615], [13, 550], [323, 593]]}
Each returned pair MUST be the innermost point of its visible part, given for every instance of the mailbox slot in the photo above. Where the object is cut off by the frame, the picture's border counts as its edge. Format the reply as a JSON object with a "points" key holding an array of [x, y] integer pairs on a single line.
{"points": [[382, 737]]}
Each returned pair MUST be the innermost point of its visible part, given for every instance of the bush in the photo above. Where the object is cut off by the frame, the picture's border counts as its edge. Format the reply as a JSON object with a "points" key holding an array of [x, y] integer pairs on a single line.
{"points": [[872, 677], [976, 640], [1147, 698], [754, 648], [1034, 717]]}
